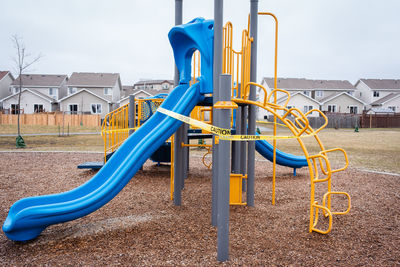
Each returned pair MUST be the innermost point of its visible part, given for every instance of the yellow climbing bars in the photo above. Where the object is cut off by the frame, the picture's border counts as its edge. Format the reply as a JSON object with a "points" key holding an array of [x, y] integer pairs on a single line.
{"points": [[236, 63]]}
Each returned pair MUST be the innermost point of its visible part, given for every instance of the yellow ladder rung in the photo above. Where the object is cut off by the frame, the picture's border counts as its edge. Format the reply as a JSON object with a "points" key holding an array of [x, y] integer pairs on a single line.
{"points": [[327, 195], [329, 214]]}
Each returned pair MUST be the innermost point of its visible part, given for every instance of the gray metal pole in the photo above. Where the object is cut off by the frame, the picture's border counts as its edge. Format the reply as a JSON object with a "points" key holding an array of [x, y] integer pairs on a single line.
{"points": [[131, 113], [217, 70], [178, 153], [178, 21], [252, 108], [223, 172]]}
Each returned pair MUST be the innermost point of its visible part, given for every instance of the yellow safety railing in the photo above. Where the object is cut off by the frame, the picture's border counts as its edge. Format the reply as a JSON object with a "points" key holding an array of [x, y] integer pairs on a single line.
{"points": [[236, 63], [115, 129]]}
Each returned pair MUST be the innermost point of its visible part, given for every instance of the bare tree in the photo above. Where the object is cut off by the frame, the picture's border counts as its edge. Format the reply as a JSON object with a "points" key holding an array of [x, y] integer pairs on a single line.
{"points": [[23, 61]]}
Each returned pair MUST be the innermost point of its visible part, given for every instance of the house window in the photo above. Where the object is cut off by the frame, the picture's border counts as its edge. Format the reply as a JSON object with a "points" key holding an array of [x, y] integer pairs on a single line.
{"points": [[353, 109], [289, 107], [319, 93], [96, 108], [307, 108], [53, 92], [107, 91], [351, 93], [165, 87], [73, 108], [376, 93], [393, 108], [72, 90], [15, 109], [38, 108], [307, 93], [15, 90], [331, 108]]}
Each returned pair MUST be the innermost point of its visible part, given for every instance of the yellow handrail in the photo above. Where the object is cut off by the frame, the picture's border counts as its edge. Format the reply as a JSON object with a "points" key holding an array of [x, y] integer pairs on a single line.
{"points": [[274, 142]]}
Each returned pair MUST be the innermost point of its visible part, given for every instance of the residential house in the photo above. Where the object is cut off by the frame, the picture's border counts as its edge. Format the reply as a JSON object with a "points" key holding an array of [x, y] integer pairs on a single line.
{"points": [[342, 103], [309, 94], [379, 94], [138, 93], [297, 100], [6, 78], [92, 93], [40, 93], [163, 86]]}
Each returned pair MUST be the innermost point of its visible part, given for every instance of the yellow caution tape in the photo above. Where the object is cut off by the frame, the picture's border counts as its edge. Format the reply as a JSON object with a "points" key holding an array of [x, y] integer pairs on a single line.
{"points": [[224, 134]]}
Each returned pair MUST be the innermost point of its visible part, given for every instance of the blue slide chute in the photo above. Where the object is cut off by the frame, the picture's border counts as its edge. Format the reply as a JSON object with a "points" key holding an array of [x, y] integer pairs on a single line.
{"points": [[28, 217], [282, 158]]}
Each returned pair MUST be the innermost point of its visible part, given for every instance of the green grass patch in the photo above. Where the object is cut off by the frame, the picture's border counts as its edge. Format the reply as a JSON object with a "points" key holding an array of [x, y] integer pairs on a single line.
{"points": [[92, 142], [31, 129]]}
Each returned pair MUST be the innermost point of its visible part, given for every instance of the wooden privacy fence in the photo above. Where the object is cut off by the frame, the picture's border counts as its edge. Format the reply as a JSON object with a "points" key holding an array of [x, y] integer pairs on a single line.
{"points": [[342, 120], [380, 120], [52, 119]]}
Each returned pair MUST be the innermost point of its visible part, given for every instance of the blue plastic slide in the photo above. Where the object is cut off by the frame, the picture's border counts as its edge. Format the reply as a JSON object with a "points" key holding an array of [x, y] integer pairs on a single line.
{"points": [[282, 158], [28, 217]]}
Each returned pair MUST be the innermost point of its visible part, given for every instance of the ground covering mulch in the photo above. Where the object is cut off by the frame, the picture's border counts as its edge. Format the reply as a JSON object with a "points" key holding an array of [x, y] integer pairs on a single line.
{"points": [[141, 226]]}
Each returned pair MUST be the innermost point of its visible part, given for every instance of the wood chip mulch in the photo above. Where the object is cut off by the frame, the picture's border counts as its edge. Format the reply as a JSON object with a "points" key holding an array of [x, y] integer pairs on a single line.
{"points": [[141, 226]]}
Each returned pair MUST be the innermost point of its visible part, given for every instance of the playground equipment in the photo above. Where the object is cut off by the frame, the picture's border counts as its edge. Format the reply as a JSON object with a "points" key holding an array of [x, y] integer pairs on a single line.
{"points": [[231, 83]]}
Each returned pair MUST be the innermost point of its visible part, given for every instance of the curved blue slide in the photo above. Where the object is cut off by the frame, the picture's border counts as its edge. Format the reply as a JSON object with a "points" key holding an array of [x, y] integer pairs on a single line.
{"points": [[282, 158], [28, 217]]}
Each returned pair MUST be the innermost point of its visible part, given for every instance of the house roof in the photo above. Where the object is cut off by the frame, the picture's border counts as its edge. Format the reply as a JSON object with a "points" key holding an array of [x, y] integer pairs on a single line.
{"points": [[381, 83], [149, 92], [153, 82], [45, 97], [380, 110], [4, 74], [80, 91], [91, 79], [301, 83], [279, 100], [385, 99], [40, 80], [331, 97]]}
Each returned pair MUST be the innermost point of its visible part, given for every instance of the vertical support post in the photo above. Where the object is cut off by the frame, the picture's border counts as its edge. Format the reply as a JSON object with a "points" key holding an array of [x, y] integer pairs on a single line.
{"points": [[131, 114], [178, 160], [223, 172], [252, 108], [217, 70]]}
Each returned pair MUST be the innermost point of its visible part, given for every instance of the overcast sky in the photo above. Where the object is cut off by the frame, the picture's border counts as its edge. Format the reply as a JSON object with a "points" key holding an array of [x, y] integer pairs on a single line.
{"points": [[318, 39]]}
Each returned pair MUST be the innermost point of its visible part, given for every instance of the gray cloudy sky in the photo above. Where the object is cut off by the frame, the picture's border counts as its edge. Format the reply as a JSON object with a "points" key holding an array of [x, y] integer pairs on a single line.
{"points": [[320, 39]]}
